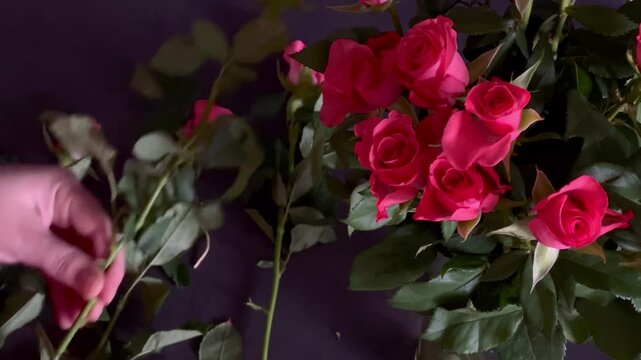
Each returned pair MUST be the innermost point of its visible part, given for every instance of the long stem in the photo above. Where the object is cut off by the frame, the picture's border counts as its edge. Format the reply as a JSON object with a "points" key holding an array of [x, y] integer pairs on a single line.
{"points": [[82, 318], [396, 19], [276, 275], [558, 33]]}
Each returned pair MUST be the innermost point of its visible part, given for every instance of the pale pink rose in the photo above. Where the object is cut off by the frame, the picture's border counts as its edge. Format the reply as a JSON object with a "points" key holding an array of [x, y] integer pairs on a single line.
{"points": [[576, 215], [485, 132], [430, 65], [296, 68], [458, 195], [199, 111], [355, 82]]}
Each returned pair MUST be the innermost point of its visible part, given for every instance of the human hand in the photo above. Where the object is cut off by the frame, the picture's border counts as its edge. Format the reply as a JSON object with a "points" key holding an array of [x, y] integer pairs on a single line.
{"points": [[49, 221]]}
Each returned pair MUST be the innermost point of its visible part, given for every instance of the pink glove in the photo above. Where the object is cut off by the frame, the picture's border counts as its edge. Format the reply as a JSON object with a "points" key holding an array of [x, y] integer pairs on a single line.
{"points": [[50, 222]]}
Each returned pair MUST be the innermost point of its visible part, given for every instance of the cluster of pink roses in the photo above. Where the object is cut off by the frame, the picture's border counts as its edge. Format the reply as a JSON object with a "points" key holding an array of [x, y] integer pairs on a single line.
{"points": [[450, 155]]}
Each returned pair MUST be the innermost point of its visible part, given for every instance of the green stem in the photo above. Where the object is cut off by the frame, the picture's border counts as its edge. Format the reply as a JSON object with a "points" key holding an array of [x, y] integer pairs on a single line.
{"points": [[276, 275], [396, 19], [558, 33], [82, 318]]}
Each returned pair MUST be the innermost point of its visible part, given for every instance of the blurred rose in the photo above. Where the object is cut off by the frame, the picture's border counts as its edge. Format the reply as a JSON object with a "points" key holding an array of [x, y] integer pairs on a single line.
{"points": [[297, 69], [199, 111]]}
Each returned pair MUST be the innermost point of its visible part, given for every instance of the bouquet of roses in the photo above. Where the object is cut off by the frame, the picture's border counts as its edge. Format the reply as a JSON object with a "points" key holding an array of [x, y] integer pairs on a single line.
{"points": [[512, 161]]}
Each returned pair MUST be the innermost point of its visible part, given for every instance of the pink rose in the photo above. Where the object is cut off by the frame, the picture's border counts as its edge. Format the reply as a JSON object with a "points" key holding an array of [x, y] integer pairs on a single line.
{"points": [[385, 47], [639, 48], [576, 215], [429, 64], [296, 68], [374, 3], [485, 132], [458, 195], [199, 111], [355, 82], [396, 155]]}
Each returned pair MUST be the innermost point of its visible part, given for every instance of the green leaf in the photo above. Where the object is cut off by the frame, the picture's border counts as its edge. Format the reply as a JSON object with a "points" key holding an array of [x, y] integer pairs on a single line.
{"points": [[479, 66], [528, 344], [632, 9], [154, 146], [253, 157], [448, 228], [210, 216], [20, 308], [602, 141], [152, 293], [177, 57], [181, 234], [184, 182], [305, 236], [308, 172], [258, 39], [235, 76], [47, 351], [145, 84], [159, 340], [505, 266], [523, 81], [614, 327], [80, 136], [583, 81], [149, 242], [601, 19], [575, 328], [262, 224], [616, 178], [221, 343], [590, 271], [539, 305], [362, 211], [519, 230], [478, 244], [306, 215], [210, 40], [279, 191], [544, 259], [394, 261], [542, 187], [177, 272], [476, 20], [467, 331], [451, 290]]}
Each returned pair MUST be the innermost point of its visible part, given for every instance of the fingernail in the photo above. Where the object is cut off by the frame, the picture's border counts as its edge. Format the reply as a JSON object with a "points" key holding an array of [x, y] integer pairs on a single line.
{"points": [[90, 281]]}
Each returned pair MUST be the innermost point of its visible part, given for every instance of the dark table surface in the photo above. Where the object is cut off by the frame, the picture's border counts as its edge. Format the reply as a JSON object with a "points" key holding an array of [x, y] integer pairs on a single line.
{"points": [[78, 56]]}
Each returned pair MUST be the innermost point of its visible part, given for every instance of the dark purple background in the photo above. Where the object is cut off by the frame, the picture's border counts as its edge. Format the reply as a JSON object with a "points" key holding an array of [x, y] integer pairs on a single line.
{"points": [[78, 56]]}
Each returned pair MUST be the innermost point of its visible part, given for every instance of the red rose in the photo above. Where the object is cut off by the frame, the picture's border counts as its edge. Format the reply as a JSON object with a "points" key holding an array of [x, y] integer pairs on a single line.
{"points": [[296, 68], [487, 137], [576, 215], [396, 155], [429, 64], [374, 3], [385, 46], [458, 195], [199, 111], [355, 82]]}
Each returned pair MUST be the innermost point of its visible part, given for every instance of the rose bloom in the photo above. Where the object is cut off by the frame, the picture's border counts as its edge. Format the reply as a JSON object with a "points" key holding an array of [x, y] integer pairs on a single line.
{"points": [[296, 69], [458, 195], [576, 215], [397, 155], [484, 133], [199, 111], [430, 65], [355, 82]]}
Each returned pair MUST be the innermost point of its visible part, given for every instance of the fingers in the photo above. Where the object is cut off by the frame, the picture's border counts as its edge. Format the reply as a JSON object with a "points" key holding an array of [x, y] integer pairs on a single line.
{"points": [[113, 278], [75, 208], [68, 305], [67, 264]]}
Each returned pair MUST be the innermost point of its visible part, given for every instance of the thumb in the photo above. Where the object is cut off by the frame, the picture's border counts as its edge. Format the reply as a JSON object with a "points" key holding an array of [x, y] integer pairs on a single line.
{"points": [[68, 265]]}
